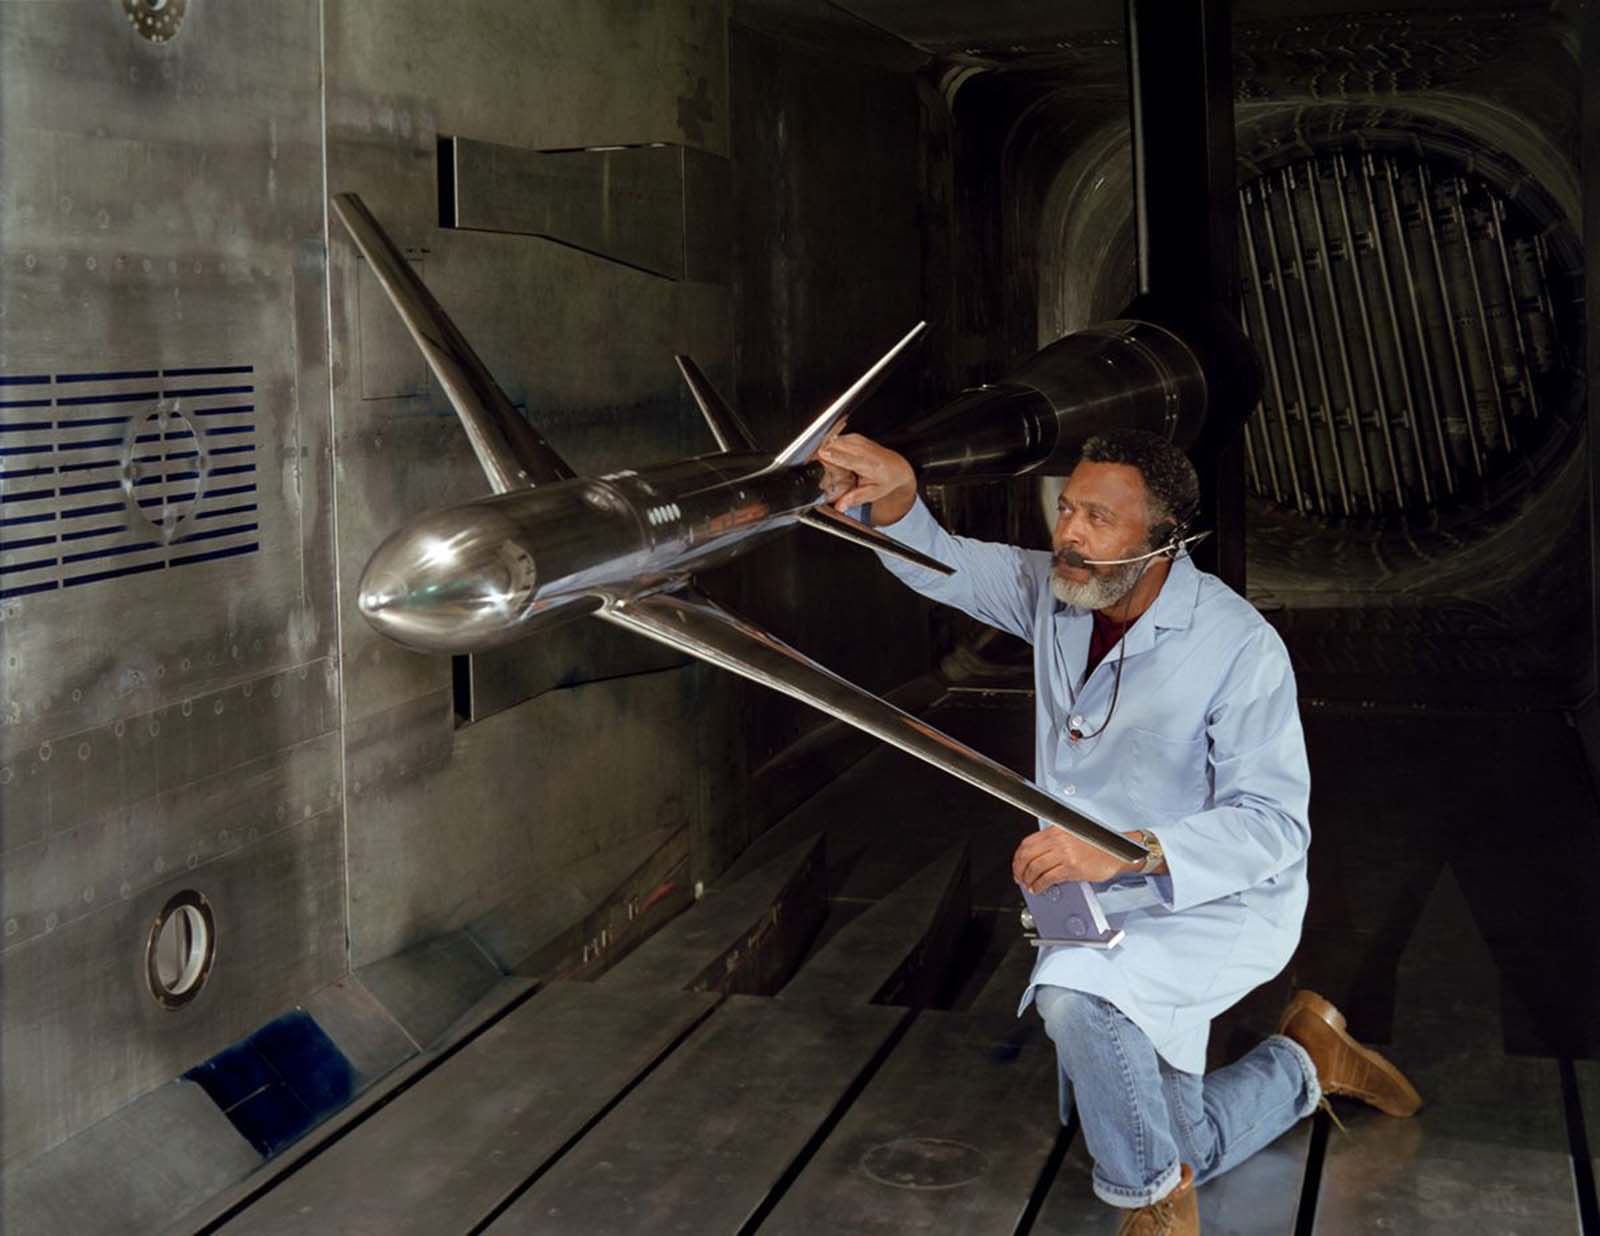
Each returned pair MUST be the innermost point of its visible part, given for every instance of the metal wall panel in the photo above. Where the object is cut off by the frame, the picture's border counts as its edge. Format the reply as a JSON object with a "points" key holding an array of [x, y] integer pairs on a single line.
{"points": [[585, 346], [170, 711]]}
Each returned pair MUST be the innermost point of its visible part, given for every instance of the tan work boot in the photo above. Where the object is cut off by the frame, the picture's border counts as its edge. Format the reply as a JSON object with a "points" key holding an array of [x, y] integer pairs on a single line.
{"points": [[1177, 1214], [1343, 1065]]}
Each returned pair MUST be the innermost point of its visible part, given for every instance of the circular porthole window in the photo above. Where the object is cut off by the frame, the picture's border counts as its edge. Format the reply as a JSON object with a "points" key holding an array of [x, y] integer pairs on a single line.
{"points": [[180, 949]]}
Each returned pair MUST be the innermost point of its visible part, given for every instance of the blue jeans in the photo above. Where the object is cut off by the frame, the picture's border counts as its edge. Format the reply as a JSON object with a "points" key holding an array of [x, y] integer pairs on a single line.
{"points": [[1141, 1118]]}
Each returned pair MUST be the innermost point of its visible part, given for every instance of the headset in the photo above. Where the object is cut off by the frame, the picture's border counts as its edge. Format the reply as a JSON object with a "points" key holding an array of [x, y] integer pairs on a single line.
{"points": [[1177, 541]]}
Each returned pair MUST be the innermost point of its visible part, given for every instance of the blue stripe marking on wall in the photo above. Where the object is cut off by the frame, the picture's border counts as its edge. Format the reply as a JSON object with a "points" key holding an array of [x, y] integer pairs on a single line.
{"points": [[99, 508], [105, 377], [84, 401], [27, 566], [102, 400], [7, 547], [95, 577], [110, 551], [23, 590], [212, 533], [196, 392], [85, 533], [233, 552]]}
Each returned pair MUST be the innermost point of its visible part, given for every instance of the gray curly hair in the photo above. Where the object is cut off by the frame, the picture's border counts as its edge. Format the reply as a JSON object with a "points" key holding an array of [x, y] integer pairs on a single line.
{"points": [[1169, 477]]}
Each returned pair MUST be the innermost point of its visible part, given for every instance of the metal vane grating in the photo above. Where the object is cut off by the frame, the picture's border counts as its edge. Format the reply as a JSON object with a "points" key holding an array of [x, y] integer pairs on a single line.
{"points": [[109, 474], [1408, 334]]}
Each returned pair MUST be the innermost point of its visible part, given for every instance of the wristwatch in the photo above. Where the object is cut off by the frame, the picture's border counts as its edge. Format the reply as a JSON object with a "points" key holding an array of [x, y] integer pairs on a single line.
{"points": [[1156, 855]]}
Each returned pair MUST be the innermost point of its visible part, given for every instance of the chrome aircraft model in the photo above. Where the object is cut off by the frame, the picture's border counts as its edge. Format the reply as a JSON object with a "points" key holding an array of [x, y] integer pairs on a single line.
{"points": [[547, 546]]}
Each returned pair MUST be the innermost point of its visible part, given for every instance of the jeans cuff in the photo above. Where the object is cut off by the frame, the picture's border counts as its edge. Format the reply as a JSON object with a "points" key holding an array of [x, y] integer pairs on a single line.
{"points": [[1309, 1069], [1131, 1199]]}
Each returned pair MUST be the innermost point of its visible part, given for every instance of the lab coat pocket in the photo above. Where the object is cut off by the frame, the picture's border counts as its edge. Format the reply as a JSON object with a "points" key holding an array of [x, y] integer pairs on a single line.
{"points": [[1167, 775]]}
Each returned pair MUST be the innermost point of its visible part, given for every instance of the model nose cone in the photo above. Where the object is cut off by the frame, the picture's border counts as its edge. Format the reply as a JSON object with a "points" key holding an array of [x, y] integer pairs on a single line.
{"points": [[452, 581]]}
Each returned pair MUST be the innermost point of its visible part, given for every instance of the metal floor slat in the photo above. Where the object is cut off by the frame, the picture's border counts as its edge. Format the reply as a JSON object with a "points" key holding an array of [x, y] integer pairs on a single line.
{"points": [[1260, 1197], [1489, 1150], [1588, 1077], [949, 1137], [447, 1151], [731, 1122], [701, 1141]]}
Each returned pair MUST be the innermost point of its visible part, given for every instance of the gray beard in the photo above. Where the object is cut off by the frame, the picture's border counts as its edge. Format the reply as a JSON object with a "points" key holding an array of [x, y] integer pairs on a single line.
{"points": [[1100, 590]]}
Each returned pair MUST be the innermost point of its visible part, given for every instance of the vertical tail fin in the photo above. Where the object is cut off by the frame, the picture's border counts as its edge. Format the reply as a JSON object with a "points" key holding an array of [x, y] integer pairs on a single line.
{"points": [[727, 427], [510, 451], [816, 433]]}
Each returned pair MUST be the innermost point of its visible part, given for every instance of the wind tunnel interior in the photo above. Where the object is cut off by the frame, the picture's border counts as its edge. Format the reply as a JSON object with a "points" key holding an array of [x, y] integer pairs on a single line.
{"points": [[396, 854]]}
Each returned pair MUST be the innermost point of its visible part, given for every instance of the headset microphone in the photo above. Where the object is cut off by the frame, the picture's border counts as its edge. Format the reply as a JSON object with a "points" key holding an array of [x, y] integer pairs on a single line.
{"points": [[1174, 547]]}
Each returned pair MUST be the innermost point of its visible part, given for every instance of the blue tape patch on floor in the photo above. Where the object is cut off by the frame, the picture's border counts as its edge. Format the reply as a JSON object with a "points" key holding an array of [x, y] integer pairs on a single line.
{"points": [[278, 1082]]}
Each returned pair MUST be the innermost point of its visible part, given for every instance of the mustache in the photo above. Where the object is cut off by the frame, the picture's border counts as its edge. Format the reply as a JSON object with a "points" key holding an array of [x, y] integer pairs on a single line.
{"points": [[1072, 558]]}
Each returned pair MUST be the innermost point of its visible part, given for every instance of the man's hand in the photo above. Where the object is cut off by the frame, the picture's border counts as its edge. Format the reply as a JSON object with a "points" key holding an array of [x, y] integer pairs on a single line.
{"points": [[1054, 856], [867, 472]]}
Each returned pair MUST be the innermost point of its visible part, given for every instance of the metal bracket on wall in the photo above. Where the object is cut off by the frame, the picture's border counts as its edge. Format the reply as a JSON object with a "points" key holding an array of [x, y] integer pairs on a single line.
{"points": [[659, 208]]}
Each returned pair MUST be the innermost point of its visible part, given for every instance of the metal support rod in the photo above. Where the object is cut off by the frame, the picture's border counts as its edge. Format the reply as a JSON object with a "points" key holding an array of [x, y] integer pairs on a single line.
{"points": [[1369, 337], [1260, 414], [1459, 209], [1408, 413], [1497, 226], [1452, 323], [1429, 381], [1180, 81], [1250, 457], [1313, 328], [1294, 351], [1246, 200], [1541, 255], [1325, 256]]}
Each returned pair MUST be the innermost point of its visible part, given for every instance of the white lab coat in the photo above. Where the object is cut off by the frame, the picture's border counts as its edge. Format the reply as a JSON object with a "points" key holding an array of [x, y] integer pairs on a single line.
{"points": [[1205, 750]]}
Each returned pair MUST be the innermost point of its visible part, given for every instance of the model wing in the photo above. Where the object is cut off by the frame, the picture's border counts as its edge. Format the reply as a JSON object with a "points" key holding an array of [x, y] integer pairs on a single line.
{"points": [[826, 519], [695, 625], [512, 453]]}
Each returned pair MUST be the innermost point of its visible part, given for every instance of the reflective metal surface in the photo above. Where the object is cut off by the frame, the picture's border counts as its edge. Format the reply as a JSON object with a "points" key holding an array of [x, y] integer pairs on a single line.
{"points": [[509, 450], [477, 576], [698, 627], [1383, 295], [662, 208], [1128, 374], [170, 709]]}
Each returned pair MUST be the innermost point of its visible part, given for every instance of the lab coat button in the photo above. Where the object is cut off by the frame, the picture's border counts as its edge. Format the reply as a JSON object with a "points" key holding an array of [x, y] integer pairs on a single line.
{"points": [[1069, 789]]}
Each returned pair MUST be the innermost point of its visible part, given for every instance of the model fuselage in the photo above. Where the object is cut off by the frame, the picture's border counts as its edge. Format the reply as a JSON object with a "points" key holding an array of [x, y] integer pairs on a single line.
{"points": [[470, 577]]}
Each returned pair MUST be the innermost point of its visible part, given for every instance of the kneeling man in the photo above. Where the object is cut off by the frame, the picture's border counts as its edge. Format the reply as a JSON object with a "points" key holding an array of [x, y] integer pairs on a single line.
{"points": [[1166, 706]]}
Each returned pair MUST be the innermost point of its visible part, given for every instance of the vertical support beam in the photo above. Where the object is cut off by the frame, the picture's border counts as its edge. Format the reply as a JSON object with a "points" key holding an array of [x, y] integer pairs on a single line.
{"points": [[1585, 687], [1181, 93], [1180, 75]]}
